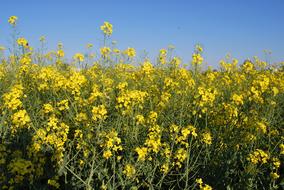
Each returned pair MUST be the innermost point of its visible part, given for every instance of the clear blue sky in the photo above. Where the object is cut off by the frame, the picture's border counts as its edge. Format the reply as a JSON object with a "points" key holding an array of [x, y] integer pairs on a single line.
{"points": [[243, 28]]}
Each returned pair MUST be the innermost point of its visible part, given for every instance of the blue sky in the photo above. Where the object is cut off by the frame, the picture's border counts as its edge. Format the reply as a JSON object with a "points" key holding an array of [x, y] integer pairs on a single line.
{"points": [[243, 28]]}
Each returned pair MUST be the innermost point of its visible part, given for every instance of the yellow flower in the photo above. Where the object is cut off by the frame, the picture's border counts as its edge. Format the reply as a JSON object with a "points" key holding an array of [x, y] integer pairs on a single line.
{"points": [[78, 134], [60, 53], [63, 105], [107, 154], [163, 52], [274, 175], [23, 42], [147, 67], [176, 61], [153, 117], [199, 48], [47, 108], [12, 99], [20, 118], [281, 146], [206, 187], [111, 143], [140, 119], [275, 91], [107, 28], [80, 117], [276, 163], [129, 171], [99, 113], [142, 153], [53, 182], [238, 99], [199, 181], [13, 20], [196, 59], [180, 156], [79, 57], [258, 156], [207, 138], [163, 56], [262, 127], [130, 52], [105, 51], [202, 186], [165, 168]]}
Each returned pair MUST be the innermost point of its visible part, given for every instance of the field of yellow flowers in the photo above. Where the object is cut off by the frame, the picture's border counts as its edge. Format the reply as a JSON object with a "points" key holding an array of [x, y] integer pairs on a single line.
{"points": [[108, 121]]}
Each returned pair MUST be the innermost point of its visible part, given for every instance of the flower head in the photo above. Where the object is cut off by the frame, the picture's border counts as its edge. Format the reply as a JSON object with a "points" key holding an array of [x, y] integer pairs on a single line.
{"points": [[60, 53], [129, 170], [107, 28], [198, 48], [79, 57], [105, 51], [13, 20], [196, 59], [130, 52], [23, 42]]}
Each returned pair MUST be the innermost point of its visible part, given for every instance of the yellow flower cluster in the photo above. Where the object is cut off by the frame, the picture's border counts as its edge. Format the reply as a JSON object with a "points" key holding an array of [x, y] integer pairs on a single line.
{"points": [[129, 170], [13, 20], [153, 142], [147, 67], [130, 52], [20, 119], [203, 186], [207, 138], [281, 146], [275, 167], [180, 156], [107, 28], [99, 113], [25, 59], [63, 105], [78, 57], [181, 135], [176, 61], [52, 135], [258, 157], [198, 48], [53, 182], [111, 144], [163, 56], [206, 98], [129, 99], [105, 51], [12, 99], [60, 53], [142, 153], [238, 99], [23, 42], [47, 108], [197, 59]]}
